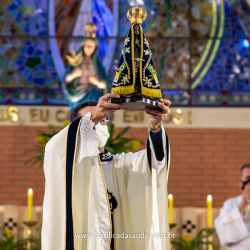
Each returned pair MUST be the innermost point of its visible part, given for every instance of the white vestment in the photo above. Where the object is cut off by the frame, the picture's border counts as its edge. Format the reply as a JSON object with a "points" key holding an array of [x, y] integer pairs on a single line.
{"points": [[139, 187], [233, 228]]}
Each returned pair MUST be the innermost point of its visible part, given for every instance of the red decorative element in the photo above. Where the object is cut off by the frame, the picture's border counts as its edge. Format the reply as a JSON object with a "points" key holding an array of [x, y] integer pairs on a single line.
{"points": [[9, 91], [224, 93], [45, 101], [235, 12], [224, 103], [244, 7], [8, 101], [45, 91]]}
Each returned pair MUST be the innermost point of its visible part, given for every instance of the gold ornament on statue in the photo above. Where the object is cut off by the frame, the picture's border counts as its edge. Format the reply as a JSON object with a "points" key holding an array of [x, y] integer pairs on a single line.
{"points": [[136, 15], [90, 29]]}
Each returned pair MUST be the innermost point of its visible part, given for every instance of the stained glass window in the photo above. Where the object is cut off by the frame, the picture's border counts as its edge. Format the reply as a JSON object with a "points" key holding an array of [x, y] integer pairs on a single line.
{"points": [[201, 48]]}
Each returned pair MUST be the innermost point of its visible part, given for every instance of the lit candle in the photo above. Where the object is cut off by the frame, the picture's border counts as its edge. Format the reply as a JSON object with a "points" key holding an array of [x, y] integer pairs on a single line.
{"points": [[30, 201], [170, 207], [209, 211]]}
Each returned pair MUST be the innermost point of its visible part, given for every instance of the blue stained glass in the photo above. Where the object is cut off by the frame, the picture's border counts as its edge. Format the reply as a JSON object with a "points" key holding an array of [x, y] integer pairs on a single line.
{"points": [[38, 52], [4, 48], [228, 74], [39, 81], [43, 58], [26, 72], [26, 18], [14, 13], [42, 66], [14, 6], [28, 43], [19, 62], [232, 27], [21, 68], [50, 62], [232, 61], [30, 51], [230, 69]]}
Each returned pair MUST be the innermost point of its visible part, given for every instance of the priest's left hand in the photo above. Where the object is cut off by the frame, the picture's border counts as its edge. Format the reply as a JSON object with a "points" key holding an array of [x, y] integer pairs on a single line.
{"points": [[157, 116]]}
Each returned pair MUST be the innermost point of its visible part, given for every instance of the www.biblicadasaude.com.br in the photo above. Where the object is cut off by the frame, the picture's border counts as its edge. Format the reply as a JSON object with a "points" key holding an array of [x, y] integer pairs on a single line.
{"points": [[123, 236]]}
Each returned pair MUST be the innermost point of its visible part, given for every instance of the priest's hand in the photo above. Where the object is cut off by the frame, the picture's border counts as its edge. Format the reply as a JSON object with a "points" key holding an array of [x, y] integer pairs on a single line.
{"points": [[104, 109], [246, 198], [157, 116]]}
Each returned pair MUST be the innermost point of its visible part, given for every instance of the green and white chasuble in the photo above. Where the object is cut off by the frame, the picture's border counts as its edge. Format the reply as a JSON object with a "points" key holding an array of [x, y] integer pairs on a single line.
{"points": [[125, 197]]}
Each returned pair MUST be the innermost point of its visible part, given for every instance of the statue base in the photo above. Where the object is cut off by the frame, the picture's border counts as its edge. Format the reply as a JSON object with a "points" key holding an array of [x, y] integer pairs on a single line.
{"points": [[136, 102]]}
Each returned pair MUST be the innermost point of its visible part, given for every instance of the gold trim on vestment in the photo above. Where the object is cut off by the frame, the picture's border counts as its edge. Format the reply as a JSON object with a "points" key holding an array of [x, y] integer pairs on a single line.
{"points": [[66, 140], [104, 183], [148, 162], [73, 177], [151, 202], [167, 169]]}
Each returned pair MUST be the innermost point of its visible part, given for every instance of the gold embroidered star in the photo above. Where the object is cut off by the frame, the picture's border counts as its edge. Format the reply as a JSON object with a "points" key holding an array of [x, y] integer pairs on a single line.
{"points": [[127, 40], [146, 42], [126, 50], [125, 79], [147, 52], [147, 82]]}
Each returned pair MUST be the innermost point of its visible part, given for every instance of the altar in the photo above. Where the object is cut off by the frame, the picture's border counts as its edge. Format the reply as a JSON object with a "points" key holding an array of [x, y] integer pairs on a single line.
{"points": [[189, 221]]}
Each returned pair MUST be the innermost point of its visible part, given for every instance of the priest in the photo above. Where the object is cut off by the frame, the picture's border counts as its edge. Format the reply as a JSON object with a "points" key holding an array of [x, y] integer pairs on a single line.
{"points": [[233, 223], [96, 200]]}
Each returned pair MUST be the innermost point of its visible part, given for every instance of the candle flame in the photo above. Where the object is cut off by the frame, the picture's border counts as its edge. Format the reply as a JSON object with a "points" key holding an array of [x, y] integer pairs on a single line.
{"points": [[209, 197], [30, 191], [170, 196]]}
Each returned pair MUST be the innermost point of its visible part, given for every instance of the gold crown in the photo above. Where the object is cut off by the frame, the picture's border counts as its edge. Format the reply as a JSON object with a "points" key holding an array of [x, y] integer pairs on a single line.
{"points": [[90, 29], [136, 15]]}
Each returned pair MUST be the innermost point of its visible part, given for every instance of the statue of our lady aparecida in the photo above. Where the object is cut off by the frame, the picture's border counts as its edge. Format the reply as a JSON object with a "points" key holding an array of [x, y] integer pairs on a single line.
{"points": [[85, 77], [135, 78]]}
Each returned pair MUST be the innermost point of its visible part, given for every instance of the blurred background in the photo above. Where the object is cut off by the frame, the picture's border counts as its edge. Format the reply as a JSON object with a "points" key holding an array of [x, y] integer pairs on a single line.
{"points": [[201, 52]]}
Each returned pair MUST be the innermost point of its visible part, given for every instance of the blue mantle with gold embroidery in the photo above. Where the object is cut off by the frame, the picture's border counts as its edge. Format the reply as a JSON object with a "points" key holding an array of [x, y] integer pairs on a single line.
{"points": [[106, 156], [124, 81]]}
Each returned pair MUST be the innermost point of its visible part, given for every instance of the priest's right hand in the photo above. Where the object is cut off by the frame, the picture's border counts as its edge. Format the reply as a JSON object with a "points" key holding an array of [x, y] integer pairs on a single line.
{"points": [[246, 198], [104, 109]]}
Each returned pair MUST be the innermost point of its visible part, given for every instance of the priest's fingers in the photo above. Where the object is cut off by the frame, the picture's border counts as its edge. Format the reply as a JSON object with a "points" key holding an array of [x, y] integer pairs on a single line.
{"points": [[158, 117], [150, 112], [165, 109], [110, 95], [166, 102]]}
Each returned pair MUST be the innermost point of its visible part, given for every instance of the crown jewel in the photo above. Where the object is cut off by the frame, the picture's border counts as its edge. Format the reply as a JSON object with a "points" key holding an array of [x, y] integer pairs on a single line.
{"points": [[136, 15], [90, 29]]}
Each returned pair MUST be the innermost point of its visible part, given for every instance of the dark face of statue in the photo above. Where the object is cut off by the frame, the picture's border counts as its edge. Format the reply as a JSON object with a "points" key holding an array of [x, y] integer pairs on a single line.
{"points": [[89, 47], [136, 29]]}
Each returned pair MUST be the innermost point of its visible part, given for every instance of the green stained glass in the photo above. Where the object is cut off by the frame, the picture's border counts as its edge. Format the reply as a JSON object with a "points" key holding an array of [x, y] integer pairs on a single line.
{"points": [[32, 62], [26, 10], [2, 96]]}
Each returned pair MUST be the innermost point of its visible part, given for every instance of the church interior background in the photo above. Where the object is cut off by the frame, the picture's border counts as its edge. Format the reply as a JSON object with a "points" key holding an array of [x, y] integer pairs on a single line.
{"points": [[201, 52]]}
